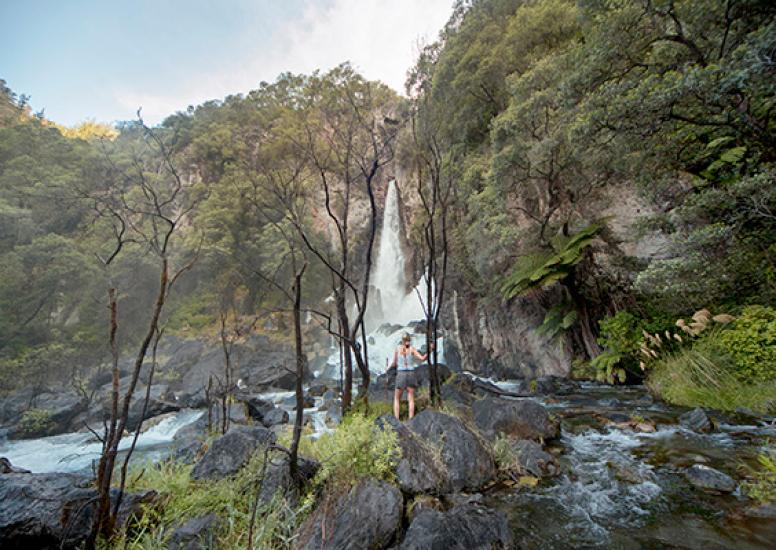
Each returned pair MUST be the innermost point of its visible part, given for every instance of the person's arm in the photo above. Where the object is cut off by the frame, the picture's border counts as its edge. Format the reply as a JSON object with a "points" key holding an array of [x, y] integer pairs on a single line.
{"points": [[417, 354], [395, 362]]}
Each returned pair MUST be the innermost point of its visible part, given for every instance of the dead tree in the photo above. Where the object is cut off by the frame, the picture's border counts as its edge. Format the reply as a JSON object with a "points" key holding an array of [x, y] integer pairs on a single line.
{"points": [[143, 204], [346, 138], [435, 190]]}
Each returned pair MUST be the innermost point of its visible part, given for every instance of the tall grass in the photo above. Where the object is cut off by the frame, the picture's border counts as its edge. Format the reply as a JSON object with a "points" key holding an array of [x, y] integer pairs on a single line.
{"points": [[182, 498], [703, 376]]}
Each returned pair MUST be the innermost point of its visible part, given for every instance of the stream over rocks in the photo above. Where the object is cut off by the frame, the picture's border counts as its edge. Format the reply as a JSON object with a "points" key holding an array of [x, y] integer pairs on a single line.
{"points": [[623, 485]]}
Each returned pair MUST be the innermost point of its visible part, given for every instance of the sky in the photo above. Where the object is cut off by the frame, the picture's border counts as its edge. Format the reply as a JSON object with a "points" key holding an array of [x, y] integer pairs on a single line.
{"points": [[102, 59]]}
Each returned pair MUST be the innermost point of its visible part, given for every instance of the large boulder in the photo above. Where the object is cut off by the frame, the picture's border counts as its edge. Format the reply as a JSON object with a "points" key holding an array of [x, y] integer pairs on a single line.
{"points": [[532, 460], [307, 402], [275, 417], [7, 468], [708, 479], [695, 420], [419, 470], [50, 414], [278, 479], [466, 456], [368, 516], [48, 511], [194, 534], [465, 527], [257, 406], [160, 401], [524, 419], [231, 451]]}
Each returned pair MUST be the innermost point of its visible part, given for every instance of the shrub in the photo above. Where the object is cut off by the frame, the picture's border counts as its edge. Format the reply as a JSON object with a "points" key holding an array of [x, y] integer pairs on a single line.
{"points": [[621, 338], [35, 422], [356, 449], [230, 499], [704, 376], [762, 486], [751, 342]]}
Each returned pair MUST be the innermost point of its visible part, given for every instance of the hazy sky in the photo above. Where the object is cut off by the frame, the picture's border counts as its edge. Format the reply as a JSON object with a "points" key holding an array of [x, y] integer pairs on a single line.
{"points": [[103, 59]]}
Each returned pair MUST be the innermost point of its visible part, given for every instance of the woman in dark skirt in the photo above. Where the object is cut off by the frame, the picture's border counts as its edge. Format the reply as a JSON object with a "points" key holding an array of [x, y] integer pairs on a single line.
{"points": [[406, 379]]}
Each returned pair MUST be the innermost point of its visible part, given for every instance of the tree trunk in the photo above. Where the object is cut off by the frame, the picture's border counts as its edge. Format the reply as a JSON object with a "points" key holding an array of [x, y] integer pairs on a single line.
{"points": [[300, 367]]}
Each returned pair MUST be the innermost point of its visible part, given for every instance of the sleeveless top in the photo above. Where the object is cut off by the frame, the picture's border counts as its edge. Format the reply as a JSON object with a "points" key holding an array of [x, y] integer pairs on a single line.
{"points": [[404, 362]]}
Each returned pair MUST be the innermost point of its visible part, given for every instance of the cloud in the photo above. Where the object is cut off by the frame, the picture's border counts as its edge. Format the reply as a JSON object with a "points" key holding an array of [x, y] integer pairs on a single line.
{"points": [[381, 38]]}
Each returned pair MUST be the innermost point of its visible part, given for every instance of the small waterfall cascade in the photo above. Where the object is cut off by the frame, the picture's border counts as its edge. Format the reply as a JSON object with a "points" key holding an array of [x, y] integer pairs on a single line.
{"points": [[389, 301]]}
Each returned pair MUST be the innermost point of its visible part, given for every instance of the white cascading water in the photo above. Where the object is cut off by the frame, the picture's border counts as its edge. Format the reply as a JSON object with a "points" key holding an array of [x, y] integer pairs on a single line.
{"points": [[391, 307], [389, 301]]}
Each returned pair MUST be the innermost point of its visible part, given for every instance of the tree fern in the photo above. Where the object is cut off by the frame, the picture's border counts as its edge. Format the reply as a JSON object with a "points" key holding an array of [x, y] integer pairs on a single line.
{"points": [[535, 271]]}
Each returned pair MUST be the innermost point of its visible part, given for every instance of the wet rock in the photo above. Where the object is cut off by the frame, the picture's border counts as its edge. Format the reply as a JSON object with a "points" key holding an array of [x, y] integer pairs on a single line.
{"points": [[290, 402], [195, 430], [51, 511], [57, 411], [463, 527], [765, 511], [709, 479], [329, 404], [617, 418], [231, 451], [419, 470], [696, 420], [423, 502], [188, 452], [525, 419], [274, 417], [533, 460], [423, 374], [194, 534], [627, 473], [257, 406], [317, 390], [369, 516], [7, 468], [544, 385], [333, 416], [468, 460], [160, 401], [278, 479], [452, 355], [330, 395]]}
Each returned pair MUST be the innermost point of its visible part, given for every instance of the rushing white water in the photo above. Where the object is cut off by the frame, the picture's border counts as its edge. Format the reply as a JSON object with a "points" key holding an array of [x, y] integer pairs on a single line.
{"points": [[389, 300], [74, 452]]}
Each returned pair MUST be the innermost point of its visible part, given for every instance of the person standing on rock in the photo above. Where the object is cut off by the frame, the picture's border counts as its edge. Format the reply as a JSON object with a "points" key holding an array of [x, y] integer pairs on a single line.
{"points": [[406, 379]]}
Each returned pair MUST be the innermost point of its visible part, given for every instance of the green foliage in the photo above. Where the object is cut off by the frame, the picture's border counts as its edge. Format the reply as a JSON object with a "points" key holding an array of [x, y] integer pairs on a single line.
{"points": [[704, 376], [762, 484], [542, 269], [504, 454], [35, 422], [751, 342], [230, 499], [357, 448], [558, 320], [620, 337]]}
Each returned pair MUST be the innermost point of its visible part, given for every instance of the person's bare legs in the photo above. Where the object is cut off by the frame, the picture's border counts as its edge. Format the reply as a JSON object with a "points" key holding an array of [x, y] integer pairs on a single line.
{"points": [[397, 402], [411, 400]]}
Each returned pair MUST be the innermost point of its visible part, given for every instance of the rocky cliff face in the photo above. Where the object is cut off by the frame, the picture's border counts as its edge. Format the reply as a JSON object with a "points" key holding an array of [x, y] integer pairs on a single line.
{"points": [[500, 339]]}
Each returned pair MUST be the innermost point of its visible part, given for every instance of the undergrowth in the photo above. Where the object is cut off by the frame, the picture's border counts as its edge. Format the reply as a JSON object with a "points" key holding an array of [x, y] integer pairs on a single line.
{"points": [[762, 485], [704, 376]]}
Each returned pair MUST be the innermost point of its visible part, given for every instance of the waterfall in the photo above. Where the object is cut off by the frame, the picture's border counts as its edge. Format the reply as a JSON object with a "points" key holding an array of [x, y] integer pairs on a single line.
{"points": [[389, 301], [391, 307]]}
